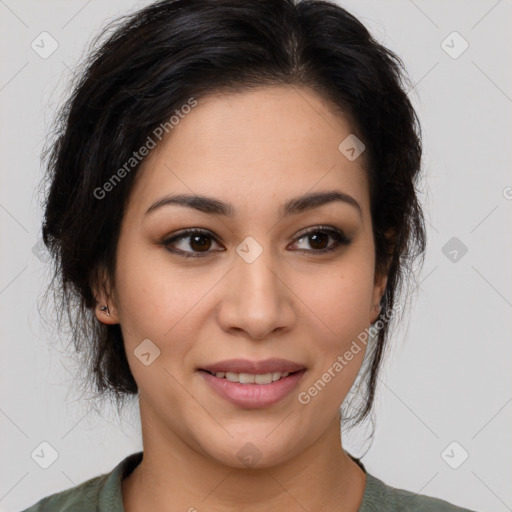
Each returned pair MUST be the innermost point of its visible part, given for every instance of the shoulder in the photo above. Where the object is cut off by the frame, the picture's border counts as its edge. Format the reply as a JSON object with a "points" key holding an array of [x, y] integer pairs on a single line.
{"points": [[99, 494], [83, 497], [381, 497]]}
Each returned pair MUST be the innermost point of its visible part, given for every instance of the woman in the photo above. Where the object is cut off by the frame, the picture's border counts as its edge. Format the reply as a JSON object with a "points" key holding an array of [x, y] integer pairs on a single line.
{"points": [[232, 208]]}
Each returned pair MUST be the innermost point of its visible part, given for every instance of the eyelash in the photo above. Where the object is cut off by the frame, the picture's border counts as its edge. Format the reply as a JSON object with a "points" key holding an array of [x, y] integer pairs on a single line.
{"points": [[340, 239]]}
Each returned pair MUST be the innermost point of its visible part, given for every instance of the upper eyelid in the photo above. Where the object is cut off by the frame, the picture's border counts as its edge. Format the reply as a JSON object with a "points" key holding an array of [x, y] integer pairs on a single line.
{"points": [[319, 227]]}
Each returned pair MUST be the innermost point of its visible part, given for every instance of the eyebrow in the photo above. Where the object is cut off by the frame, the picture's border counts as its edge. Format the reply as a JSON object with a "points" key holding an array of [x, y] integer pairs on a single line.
{"points": [[293, 206]]}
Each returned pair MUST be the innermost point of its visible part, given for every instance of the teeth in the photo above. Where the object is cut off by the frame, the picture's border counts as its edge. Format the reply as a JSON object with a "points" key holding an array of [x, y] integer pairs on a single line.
{"points": [[249, 378]]}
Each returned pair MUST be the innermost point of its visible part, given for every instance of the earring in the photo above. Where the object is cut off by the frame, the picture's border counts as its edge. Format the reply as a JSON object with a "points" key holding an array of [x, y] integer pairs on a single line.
{"points": [[105, 308]]}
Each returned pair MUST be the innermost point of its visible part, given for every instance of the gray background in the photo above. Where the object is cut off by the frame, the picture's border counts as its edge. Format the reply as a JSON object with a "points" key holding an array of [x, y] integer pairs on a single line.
{"points": [[447, 377]]}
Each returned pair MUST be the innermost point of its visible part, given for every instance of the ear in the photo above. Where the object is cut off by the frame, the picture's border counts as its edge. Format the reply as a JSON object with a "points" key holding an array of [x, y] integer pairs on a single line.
{"points": [[106, 299], [381, 280], [379, 287]]}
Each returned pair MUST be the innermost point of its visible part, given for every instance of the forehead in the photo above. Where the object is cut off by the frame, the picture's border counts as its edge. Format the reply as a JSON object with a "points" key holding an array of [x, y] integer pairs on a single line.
{"points": [[272, 118], [252, 146]]}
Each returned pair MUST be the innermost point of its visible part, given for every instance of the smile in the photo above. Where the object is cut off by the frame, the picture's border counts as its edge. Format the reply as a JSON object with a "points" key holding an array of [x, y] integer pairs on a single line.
{"points": [[249, 378], [252, 391]]}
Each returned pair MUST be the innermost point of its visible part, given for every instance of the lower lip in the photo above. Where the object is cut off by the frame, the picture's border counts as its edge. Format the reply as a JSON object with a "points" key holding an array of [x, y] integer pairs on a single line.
{"points": [[253, 396]]}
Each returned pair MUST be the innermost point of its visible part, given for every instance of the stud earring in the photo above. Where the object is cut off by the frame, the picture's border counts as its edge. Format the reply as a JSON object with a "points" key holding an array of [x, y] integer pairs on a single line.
{"points": [[105, 309]]}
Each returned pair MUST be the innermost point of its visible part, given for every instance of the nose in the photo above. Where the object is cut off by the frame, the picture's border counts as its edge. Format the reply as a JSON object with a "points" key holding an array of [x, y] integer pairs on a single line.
{"points": [[256, 297]]}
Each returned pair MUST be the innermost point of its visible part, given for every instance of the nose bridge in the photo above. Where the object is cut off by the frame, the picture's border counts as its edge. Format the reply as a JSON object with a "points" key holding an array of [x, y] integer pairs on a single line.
{"points": [[257, 298], [253, 268]]}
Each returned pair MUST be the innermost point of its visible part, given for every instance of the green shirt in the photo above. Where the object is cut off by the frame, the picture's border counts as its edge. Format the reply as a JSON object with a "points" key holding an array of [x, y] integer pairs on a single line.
{"points": [[103, 494]]}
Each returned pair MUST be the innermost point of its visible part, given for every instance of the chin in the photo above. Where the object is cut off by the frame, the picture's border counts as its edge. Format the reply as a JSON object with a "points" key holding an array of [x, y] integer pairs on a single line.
{"points": [[247, 454]]}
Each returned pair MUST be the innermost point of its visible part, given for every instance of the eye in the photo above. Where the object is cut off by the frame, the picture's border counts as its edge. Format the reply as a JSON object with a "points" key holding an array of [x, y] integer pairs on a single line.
{"points": [[200, 241], [197, 239], [319, 236]]}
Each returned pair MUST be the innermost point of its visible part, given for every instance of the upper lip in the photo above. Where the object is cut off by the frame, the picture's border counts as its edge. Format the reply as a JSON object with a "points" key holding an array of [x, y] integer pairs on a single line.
{"points": [[254, 367]]}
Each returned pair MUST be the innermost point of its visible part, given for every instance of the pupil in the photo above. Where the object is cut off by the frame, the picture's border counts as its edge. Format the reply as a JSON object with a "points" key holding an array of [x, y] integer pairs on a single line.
{"points": [[195, 239], [315, 237]]}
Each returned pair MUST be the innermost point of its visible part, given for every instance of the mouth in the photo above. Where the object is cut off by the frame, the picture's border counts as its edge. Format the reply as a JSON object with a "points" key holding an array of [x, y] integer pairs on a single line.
{"points": [[252, 378], [250, 367], [252, 390]]}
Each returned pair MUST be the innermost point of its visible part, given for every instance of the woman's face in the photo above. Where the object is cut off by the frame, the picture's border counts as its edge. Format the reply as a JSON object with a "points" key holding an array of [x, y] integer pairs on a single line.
{"points": [[255, 286]]}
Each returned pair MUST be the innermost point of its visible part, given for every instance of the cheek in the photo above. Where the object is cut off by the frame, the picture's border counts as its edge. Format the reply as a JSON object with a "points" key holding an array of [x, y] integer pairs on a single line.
{"points": [[145, 283], [152, 300], [340, 315], [341, 303], [154, 307], [161, 302], [342, 299]]}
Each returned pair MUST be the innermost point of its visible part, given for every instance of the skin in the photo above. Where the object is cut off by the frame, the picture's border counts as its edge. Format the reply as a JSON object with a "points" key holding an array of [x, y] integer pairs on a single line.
{"points": [[253, 149]]}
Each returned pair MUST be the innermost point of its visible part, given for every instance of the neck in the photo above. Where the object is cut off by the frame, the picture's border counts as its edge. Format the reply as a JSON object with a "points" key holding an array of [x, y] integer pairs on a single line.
{"points": [[322, 477]]}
